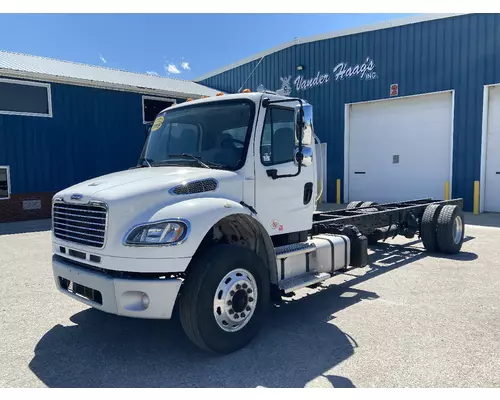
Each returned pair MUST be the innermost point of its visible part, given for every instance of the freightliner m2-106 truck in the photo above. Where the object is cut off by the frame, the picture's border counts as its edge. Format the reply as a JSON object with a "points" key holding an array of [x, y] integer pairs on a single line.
{"points": [[219, 218]]}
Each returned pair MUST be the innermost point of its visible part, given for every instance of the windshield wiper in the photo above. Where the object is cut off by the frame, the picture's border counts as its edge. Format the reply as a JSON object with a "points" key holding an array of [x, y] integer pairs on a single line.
{"points": [[187, 155], [148, 161]]}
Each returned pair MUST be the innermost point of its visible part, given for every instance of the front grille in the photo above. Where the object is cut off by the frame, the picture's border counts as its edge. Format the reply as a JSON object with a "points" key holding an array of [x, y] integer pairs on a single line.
{"points": [[80, 223], [205, 185]]}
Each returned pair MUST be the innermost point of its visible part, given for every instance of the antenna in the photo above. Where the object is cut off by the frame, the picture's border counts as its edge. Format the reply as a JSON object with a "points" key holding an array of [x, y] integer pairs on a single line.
{"points": [[251, 73]]}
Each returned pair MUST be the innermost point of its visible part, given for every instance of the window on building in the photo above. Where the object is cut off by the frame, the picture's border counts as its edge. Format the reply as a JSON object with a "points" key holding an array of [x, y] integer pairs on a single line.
{"points": [[151, 106], [278, 142], [4, 183], [25, 98]]}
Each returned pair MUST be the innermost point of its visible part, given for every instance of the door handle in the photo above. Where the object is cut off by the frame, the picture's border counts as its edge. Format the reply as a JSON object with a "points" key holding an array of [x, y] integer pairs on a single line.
{"points": [[359, 172]]}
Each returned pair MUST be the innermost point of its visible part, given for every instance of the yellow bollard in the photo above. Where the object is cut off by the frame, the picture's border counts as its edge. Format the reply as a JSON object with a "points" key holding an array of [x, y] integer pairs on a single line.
{"points": [[476, 197], [338, 191], [447, 190]]}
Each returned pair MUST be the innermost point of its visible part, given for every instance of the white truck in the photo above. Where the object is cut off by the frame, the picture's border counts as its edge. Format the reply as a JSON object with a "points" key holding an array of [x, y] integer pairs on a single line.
{"points": [[219, 218]]}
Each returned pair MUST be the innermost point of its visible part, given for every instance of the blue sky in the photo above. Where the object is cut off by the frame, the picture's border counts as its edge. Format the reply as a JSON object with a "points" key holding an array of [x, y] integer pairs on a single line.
{"points": [[183, 46]]}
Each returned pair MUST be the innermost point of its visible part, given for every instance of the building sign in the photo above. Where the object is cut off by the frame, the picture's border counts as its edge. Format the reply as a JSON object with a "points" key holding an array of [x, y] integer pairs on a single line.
{"points": [[32, 204], [394, 90], [341, 71], [365, 71]]}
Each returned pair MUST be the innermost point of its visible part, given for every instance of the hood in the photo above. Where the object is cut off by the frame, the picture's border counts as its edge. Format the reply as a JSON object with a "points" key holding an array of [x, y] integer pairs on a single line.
{"points": [[145, 182]]}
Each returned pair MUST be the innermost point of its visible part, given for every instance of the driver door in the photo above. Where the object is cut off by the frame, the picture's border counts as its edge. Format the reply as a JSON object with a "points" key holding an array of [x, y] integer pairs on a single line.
{"points": [[283, 205]]}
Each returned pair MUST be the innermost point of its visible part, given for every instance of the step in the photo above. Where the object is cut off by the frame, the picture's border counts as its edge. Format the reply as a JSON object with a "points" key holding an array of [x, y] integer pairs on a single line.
{"points": [[310, 278], [294, 249]]}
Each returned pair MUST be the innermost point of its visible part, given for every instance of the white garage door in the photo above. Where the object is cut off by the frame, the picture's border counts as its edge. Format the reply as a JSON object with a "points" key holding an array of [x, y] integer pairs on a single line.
{"points": [[492, 181], [400, 149]]}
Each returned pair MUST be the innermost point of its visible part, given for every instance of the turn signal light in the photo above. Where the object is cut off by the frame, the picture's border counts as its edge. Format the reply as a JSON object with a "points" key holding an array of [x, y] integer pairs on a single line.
{"points": [[246, 91], [220, 94], [190, 99]]}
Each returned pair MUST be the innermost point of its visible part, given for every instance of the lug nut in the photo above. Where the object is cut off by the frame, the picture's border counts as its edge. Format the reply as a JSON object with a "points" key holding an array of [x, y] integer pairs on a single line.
{"points": [[238, 286], [248, 308], [236, 316], [231, 311], [229, 303], [249, 291], [231, 292], [242, 315], [245, 286], [250, 299]]}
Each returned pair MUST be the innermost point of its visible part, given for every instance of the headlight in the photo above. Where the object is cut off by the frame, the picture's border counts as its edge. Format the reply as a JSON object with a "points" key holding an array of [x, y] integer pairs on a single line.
{"points": [[158, 233]]}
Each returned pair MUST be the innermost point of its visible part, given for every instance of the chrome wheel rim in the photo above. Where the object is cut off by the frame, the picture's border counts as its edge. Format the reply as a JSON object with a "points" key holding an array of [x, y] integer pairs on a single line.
{"points": [[235, 300], [458, 228]]}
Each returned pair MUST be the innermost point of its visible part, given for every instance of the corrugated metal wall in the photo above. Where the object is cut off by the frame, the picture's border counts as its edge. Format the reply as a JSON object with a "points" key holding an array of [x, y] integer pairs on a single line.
{"points": [[92, 132], [460, 53]]}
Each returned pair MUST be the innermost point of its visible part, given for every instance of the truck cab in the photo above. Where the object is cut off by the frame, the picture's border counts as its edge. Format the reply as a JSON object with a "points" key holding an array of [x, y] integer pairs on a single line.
{"points": [[217, 219]]}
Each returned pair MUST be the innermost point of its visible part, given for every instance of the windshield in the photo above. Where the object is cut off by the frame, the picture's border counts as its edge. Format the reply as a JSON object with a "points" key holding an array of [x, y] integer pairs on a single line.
{"points": [[216, 134]]}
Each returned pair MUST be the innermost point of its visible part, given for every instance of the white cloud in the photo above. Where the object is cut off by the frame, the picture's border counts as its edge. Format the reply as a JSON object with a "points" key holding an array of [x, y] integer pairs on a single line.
{"points": [[152, 73], [102, 59], [172, 69], [185, 65]]}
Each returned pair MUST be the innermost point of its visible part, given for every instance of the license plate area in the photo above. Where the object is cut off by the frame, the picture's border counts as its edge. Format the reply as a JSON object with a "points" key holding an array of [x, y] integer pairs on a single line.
{"points": [[80, 290]]}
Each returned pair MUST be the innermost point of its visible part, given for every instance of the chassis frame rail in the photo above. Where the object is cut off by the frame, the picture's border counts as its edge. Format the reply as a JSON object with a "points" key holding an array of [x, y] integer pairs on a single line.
{"points": [[370, 218]]}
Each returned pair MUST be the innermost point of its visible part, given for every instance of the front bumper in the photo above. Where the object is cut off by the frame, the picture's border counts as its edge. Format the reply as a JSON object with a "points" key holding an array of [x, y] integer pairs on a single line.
{"points": [[131, 297]]}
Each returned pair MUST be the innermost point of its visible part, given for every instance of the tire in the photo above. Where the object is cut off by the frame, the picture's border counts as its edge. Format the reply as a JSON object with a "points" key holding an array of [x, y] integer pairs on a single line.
{"points": [[354, 204], [450, 229], [428, 228], [368, 204], [201, 312]]}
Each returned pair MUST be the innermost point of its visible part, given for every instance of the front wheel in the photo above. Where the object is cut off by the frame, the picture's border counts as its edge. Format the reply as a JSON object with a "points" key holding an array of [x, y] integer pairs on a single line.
{"points": [[224, 298]]}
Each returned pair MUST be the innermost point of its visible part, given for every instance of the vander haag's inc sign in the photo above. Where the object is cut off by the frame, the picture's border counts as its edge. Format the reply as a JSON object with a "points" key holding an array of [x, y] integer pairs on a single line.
{"points": [[341, 71]]}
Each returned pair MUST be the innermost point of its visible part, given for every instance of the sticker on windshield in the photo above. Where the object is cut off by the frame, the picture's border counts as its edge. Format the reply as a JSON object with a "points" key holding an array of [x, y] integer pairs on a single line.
{"points": [[157, 124]]}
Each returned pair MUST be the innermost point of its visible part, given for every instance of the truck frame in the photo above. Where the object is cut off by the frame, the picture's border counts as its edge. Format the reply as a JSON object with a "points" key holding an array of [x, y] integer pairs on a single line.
{"points": [[218, 233]]}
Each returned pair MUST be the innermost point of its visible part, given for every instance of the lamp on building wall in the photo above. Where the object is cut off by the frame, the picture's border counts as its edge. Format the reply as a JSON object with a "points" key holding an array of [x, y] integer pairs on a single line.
{"points": [[300, 67]]}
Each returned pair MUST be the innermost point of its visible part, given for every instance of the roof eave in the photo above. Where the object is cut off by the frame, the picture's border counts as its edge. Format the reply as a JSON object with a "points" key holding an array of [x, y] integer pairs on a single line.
{"points": [[96, 84]]}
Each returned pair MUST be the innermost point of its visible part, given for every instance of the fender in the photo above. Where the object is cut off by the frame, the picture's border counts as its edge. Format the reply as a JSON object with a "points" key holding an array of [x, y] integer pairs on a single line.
{"points": [[202, 214]]}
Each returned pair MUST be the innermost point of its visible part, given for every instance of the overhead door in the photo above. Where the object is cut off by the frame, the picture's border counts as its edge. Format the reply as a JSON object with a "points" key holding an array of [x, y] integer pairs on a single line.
{"points": [[399, 149], [492, 162]]}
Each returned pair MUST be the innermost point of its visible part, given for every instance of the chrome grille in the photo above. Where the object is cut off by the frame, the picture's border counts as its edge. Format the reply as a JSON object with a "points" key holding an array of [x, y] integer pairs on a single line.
{"points": [[80, 223]]}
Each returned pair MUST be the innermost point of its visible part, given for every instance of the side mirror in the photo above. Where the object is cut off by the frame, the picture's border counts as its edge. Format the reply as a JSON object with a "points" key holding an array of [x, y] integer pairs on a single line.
{"points": [[307, 135], [305, 157], [304, 125]]}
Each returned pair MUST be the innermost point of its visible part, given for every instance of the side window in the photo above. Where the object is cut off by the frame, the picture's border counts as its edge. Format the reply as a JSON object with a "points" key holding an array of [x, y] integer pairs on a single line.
{"points": [[184, 138], [278, 142]]}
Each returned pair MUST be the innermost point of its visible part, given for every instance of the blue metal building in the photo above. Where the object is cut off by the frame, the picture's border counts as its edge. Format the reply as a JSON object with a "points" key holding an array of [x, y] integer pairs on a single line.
{"points": [[407, 108], [62, 122]]}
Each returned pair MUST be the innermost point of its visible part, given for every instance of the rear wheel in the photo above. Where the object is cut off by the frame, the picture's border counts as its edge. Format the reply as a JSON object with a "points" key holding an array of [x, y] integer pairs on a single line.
{"points": [[450, 229], [428, 228], [225, 298], [354, 204]]}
